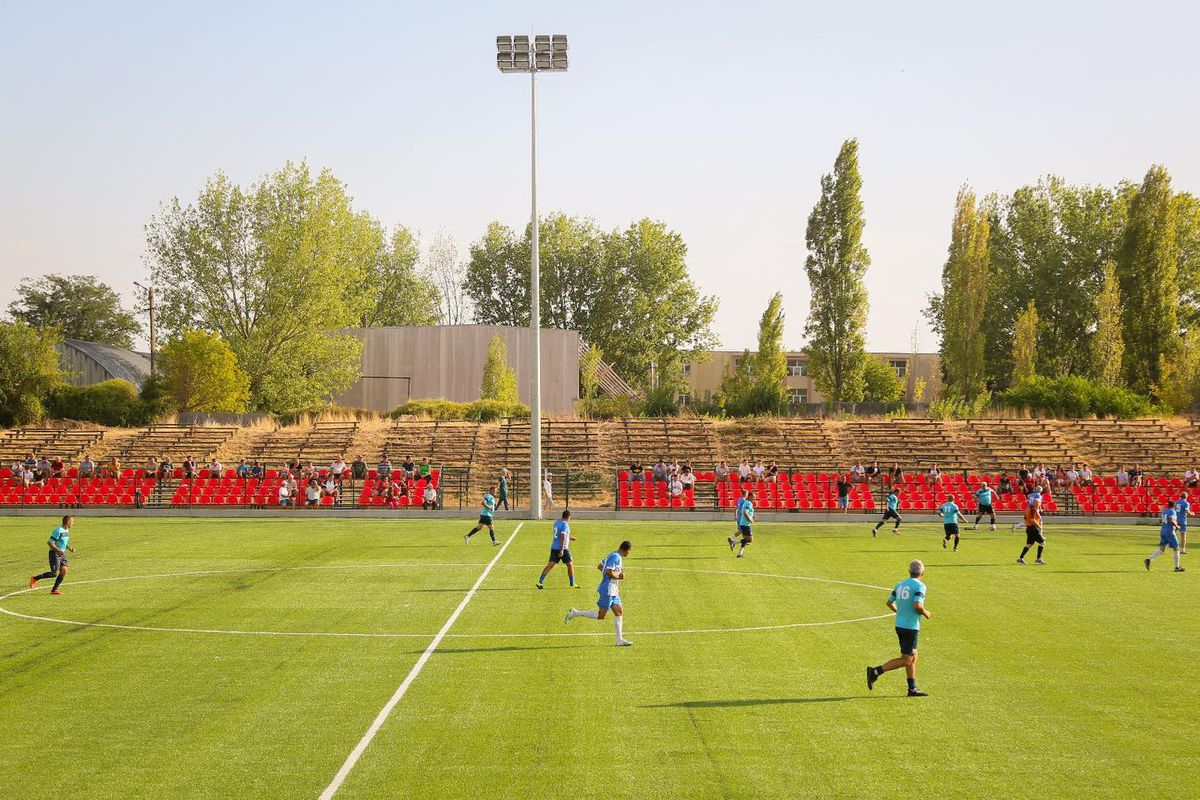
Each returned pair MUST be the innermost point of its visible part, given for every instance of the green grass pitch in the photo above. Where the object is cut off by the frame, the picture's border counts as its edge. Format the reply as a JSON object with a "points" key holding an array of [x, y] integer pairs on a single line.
{"points": [[1075, 679]]}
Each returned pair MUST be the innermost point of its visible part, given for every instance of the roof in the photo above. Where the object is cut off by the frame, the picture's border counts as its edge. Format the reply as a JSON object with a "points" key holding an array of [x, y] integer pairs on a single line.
{"points": [[116, 361]]}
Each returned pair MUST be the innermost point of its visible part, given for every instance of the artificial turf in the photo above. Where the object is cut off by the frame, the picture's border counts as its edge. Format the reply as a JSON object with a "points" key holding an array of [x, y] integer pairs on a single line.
{"points": [[1068, 680]]}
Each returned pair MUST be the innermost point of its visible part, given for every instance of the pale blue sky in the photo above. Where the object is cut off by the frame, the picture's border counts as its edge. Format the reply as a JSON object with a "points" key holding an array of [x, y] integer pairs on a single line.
{"points": [[718, 118]]}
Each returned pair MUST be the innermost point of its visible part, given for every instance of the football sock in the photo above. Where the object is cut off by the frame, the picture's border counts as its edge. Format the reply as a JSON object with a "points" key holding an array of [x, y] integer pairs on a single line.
{"points": [[912, 684], [44, 576], [472, 532], [620, 622], [60, 577], [742, 550], [571, 579], [1039, 551], [1176, 564], [492, 534], [955, 542], [589, 614], [543, 578], [1024, 550], [1155, 554]]}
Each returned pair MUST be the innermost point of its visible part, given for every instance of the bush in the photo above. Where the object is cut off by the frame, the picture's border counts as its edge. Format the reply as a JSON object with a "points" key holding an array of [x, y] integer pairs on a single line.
{"points": [[478, 411], [115, 402], [604, 407], [1073, 396], [492, 410], [952, 407], [659, 402]]}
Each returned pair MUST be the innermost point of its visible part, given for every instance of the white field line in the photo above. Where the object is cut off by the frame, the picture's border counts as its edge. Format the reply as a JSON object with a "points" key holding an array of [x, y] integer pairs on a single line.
{"points": [[386, 711]]}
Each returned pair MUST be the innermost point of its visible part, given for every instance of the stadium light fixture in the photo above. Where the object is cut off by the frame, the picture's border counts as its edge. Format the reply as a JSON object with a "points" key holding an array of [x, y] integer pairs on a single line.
{"points": [[541, 53]]}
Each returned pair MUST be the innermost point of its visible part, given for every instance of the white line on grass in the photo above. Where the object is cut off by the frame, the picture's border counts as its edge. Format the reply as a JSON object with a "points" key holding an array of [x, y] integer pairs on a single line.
{"points": [[386, 711]]}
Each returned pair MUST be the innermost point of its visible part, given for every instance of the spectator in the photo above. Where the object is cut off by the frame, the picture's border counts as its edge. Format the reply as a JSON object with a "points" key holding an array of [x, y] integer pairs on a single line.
{"points": [[87, 467], [56, 467], [1136, 476], [43, 469], [165, 468], [409, 466], [935, 475], [331, 487], [548, 488], [189, 467], [675, 487], [1044, 488], [285, 493], [687, 477], [242, 469], [28, 477], [1005, 486], [722, 472], [897, 475], [214, 468], [1085, 476], [309, 472], [30, 463], [758, 470], [660, 471], [1022, 474], [423, 468], [744, 470], [395, 492], [1068, 477], [338, 469], [1122, 475], [384, 470], [502, 489], [843, 489], [772, 473], [1191, 478], [872, 471], [858, 472], [256, 470], [312, 493], [150, 467], [358, 470], [672, 469], [429, 501], [637, 471]]}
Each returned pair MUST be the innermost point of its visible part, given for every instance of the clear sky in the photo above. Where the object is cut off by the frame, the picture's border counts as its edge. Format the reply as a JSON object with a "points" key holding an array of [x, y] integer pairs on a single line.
{"points": [[717, 117]]}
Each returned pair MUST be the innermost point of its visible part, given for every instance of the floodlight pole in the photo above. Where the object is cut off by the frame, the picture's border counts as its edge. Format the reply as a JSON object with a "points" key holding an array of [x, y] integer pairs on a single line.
{"points": [[535, 316]]}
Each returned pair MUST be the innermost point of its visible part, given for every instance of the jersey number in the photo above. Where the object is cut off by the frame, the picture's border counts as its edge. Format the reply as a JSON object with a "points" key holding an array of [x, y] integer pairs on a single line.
{"points": [[904, 593]]}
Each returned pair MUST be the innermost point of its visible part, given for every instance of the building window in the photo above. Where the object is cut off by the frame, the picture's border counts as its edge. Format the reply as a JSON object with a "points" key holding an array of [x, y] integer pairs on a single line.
{"points": [[685, 399], [899, 365], [737, 363], [687, 368], [798, 397], [797, 368]]}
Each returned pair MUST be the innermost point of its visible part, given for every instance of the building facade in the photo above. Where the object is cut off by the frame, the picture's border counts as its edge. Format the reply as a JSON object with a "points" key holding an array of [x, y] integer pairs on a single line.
{"points": [[704, 376], [87, 363]]}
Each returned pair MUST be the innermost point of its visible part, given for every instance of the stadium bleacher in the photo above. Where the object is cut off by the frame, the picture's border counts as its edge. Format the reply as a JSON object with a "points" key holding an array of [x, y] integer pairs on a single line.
{"points": [[915, 444], [795, 443], [174, 442], [320, 443], [1151, 443], [65, 443], [1005, 444]]}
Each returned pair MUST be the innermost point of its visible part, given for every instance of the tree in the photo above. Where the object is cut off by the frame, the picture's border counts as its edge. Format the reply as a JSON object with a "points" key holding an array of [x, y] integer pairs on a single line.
{"points": [[770, 391], [1108, 347], [958, 312], [1148, 269], [398, 293], [1179, 385], [1025, 345], [590, 362], [448, 276], [836, 264], [497, 280], [882, 383], [78, 305], [29, 371], [499, 379], [276, 270], [737, 385], [201, 372]]}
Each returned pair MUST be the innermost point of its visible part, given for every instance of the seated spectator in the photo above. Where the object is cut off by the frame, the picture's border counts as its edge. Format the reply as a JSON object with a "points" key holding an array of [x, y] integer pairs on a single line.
{"points": [[858, 472], [722, 471], [1085, 476], [1005, 486], [1136, 476], [257, 470], [30, 463], [1191, 478], [759, 470], [43, 468], [1069, 477], [896, 475], [1023, 474], [1122, 475], [395, 492], [57, 467], [660, 471], [338, 468], [113, 466], [675, 487], [744, 470], [872, 470], [409, 466], [285, 493], [935, 475], [164, 469], [1044, 488], [423, 468], [358, 470], [331, 487], [242, 469], [150, 467], [215, 469], [28, 477], [772, 473], [384, 470], [312, 493], [687, 477], [87, 467], [429, 499], [189, 467]]}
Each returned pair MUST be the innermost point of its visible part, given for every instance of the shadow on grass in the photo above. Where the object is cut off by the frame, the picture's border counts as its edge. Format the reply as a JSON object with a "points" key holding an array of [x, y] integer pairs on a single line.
{"points": [[778, 701]]}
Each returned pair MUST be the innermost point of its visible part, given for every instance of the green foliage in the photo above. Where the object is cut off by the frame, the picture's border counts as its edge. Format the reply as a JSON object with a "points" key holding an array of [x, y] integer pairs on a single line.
{"points": [[882, 383], [661, 401], [394, 292], [589, 372], [115, 403], [920, 385], [1179, 382], [734, 396], [478, 411], [1108, 347], [79, 306], [957, 314], [278, 270], [1025, 345], [499, 379], [1074, 396], [836, 265], [604, 407], [758, 384], [201, 373], [627, 292], [951, 406], [29, 370]]}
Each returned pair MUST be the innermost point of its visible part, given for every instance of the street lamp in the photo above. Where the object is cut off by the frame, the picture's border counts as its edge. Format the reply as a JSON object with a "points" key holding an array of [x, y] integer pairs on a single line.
{"points": [[548, 54], [150, 295]]}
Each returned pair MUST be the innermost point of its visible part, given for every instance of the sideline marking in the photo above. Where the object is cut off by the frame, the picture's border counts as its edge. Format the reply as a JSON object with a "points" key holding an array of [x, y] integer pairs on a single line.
{"points": [[353, 635], [386, 711]]}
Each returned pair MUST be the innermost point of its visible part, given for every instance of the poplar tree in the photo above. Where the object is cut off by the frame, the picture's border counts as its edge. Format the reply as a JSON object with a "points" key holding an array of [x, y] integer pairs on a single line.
{"points": [[1025, 345], [499, 379], [958, 313], [1108, 347], [769, 374], [836, 264]]}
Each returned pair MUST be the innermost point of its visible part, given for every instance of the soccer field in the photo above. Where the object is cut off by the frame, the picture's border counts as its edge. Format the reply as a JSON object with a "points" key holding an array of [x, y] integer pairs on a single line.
{"points": [[248, 658]]}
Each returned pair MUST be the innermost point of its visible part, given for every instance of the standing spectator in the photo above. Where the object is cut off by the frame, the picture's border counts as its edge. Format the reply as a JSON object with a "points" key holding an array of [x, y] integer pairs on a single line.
{"points": [[548, 489], [409, 466], [429, 501], [1122, 475], [722, 472], [358, 470], [384, 470], [843, 489], [87, 467], [502, 492]]}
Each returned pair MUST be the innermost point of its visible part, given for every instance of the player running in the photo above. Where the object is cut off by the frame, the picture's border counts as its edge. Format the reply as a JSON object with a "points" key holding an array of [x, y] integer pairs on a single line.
{"points": [[950, 517], [1166, 536], [485, 517], [60, 545], [560, 550], [1183, 507], [892, 511], [908, 601], [744, 514], [612, 569], [1033, 531], [984, 497]]}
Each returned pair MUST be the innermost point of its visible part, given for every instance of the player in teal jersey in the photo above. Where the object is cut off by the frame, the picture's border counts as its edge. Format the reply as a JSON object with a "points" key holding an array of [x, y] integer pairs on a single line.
{"points": [[613, 570], [560, 550], [908, 601], [485, 517], [950, 518], [1168, 525], [60, 545], [1183, 508], [744, 515], [892, 511], [984, 497]]}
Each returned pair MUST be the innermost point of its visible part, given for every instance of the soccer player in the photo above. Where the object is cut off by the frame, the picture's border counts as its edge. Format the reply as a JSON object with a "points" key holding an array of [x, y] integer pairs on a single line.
{"points": [[485, 518], [908, 601], [744, 514], [1166, 536], [610, 597], [950, 517], [560, 549], [890, 512], [1182, 508], [1033, 531], [984, 496], [60, 545]]}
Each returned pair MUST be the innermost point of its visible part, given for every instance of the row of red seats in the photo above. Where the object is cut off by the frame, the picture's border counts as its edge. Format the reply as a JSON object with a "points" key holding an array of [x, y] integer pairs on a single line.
{"points": [[639, 494]]}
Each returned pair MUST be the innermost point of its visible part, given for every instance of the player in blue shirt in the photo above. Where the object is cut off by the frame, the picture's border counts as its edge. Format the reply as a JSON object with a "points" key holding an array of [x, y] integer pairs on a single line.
{"points": [[485, 517], [60, 545], [892, 511], [613, 570], [908, 601], [1182, 508], [560, 549], [744, 514], [950, 517], [984, 497], [1168, 525]]}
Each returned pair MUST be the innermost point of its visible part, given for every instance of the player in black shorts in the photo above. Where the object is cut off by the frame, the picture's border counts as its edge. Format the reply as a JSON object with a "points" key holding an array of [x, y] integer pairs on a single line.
{"points": [[890, 511], [984, 497]]}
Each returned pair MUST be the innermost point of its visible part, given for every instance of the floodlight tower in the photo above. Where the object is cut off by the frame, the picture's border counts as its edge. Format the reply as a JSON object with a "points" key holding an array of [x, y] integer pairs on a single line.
{"points": [[548, 54]]}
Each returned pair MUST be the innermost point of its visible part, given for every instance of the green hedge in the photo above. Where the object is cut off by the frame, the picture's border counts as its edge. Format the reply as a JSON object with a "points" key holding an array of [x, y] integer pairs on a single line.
{"points": [[115, 403], [1072, 396], [478, 411]]}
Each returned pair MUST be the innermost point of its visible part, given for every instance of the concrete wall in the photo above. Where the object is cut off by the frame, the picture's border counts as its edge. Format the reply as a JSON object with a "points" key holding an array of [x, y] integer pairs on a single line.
{"points": [[446, 361]]}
